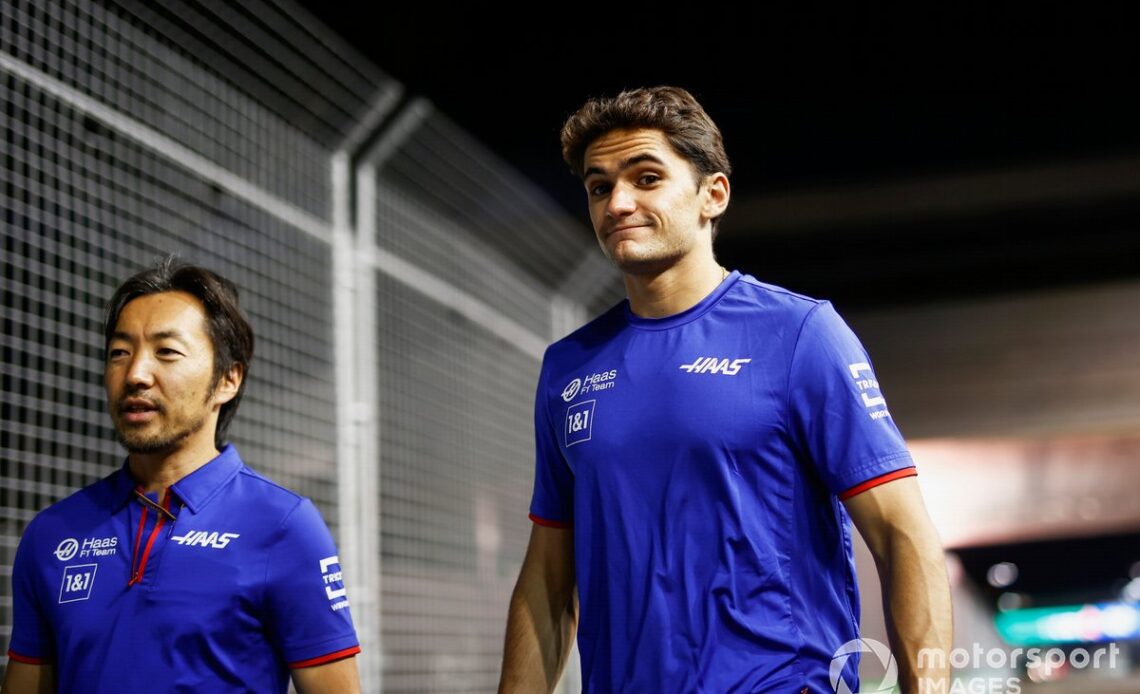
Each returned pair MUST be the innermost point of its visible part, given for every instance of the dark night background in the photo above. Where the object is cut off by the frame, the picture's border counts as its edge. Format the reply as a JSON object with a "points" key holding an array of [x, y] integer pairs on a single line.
{"points": [[851, 99]]}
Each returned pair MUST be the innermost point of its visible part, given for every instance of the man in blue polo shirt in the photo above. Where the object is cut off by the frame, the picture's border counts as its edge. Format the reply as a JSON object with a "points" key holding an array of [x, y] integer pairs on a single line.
{"points": [[184, 570], [700, 449]]}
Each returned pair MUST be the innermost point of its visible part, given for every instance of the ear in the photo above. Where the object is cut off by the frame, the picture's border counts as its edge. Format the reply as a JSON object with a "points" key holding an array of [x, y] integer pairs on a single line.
{"points": [[228, 385], [716, 194]]}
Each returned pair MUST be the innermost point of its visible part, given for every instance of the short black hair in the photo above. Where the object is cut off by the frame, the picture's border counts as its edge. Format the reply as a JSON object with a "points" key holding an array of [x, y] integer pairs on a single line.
{"points": [[226, 324]]}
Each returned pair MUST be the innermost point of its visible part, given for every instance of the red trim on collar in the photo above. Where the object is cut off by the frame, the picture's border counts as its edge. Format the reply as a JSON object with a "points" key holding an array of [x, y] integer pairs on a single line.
{"points": [[140, 571]]}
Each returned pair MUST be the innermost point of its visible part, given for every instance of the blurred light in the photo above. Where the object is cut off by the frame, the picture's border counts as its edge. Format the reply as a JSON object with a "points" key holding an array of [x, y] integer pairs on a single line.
{"points": [[1131, 592], [1002, 575], [1041, 671], [1121, 621], [1010, 601], [1070, 624], [1134, 570]]}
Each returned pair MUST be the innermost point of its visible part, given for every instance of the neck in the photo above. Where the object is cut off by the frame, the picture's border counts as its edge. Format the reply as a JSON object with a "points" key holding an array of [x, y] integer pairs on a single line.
{"points": [[675, 289], [155, 472]]}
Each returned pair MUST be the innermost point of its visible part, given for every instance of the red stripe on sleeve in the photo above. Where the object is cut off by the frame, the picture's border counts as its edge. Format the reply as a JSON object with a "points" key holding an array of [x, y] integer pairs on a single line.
{"points": [[322, 659], [13, 655], [881, 479], [548, 523]]}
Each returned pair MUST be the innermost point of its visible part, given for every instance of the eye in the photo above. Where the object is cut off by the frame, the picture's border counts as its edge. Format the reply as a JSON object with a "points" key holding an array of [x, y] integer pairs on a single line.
{"points": [[648, 179], [116, 353], [168, 352], [598, 189]]}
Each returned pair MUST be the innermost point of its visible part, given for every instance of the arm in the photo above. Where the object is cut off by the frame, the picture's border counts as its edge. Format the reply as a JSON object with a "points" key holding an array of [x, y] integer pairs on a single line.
{"points": [[916, 594], [543, 614], [338, 677], [24, 678]]}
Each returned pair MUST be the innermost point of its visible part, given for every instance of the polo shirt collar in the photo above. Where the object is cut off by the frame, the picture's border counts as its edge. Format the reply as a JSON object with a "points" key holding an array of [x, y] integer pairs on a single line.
{"points": [[194, 490]]}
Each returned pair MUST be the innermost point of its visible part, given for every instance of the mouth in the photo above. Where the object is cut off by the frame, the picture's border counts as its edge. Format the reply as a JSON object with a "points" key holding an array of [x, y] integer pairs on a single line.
{"points": [[138, 410], [624, 227]]}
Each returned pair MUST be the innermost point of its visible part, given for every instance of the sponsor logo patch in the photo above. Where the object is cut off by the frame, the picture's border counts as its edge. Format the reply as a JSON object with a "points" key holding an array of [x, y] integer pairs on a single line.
{"points": [[77, 582], [866, 384], [333, 578], [580, 422]]}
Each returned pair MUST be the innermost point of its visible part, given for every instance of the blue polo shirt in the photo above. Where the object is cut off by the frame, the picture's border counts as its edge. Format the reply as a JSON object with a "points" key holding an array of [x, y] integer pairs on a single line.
{"points": [[701, 459], [221, 586]]}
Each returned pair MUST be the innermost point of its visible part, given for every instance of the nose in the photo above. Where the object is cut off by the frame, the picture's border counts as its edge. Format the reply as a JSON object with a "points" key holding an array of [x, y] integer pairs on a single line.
{"points": [[621, 202], [140, 371]]}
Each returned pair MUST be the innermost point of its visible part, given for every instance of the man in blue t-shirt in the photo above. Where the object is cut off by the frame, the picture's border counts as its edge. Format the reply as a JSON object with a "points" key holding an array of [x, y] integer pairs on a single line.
{"points": [[184, 570], [701, 448]]}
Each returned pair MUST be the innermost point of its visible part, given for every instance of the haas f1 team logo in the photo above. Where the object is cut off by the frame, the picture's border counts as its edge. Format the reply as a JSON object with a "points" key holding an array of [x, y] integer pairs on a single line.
{"points": [[67, 549], [589, 383], [571, 389]]}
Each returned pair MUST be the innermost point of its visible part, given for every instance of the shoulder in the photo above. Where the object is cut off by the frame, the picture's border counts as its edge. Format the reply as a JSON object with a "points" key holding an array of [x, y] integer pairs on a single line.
{"points": [[56, 531], [274, 502], [88, 503], [751, 293], [772, 314], [590, 336], [283, 515]]}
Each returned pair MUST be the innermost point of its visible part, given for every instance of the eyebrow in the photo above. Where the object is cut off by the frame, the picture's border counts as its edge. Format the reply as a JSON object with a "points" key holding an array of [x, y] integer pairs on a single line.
{"points": [[625, 164], [160, 335]]}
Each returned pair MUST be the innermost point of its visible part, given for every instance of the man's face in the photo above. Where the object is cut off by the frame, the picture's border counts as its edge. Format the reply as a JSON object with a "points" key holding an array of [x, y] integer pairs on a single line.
{"points": [[159, 375], [645, 203]]}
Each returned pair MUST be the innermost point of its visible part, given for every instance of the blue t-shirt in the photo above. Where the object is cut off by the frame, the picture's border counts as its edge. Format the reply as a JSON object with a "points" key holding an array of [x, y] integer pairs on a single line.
{"points": [[221, 586], [701, 459]]}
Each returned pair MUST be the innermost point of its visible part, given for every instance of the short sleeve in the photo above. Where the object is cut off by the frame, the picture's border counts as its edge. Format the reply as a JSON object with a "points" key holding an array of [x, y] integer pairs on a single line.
{"points": [[837, 409], [552, 503], [32, 639], [308, 611]]}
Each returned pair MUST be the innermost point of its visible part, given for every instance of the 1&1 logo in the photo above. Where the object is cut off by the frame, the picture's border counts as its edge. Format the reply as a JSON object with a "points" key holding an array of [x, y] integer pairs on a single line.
{"points": [[880, 650], [66, 549]]}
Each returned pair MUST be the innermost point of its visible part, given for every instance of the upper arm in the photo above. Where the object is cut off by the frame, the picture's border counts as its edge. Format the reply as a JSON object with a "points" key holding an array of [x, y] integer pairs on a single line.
{"points": [[25, 678], [549, 562], [338, 677], [888, 509]]}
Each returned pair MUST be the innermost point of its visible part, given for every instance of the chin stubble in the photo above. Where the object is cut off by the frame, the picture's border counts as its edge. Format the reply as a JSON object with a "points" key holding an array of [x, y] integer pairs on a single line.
{"points": [[163, 442]]}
